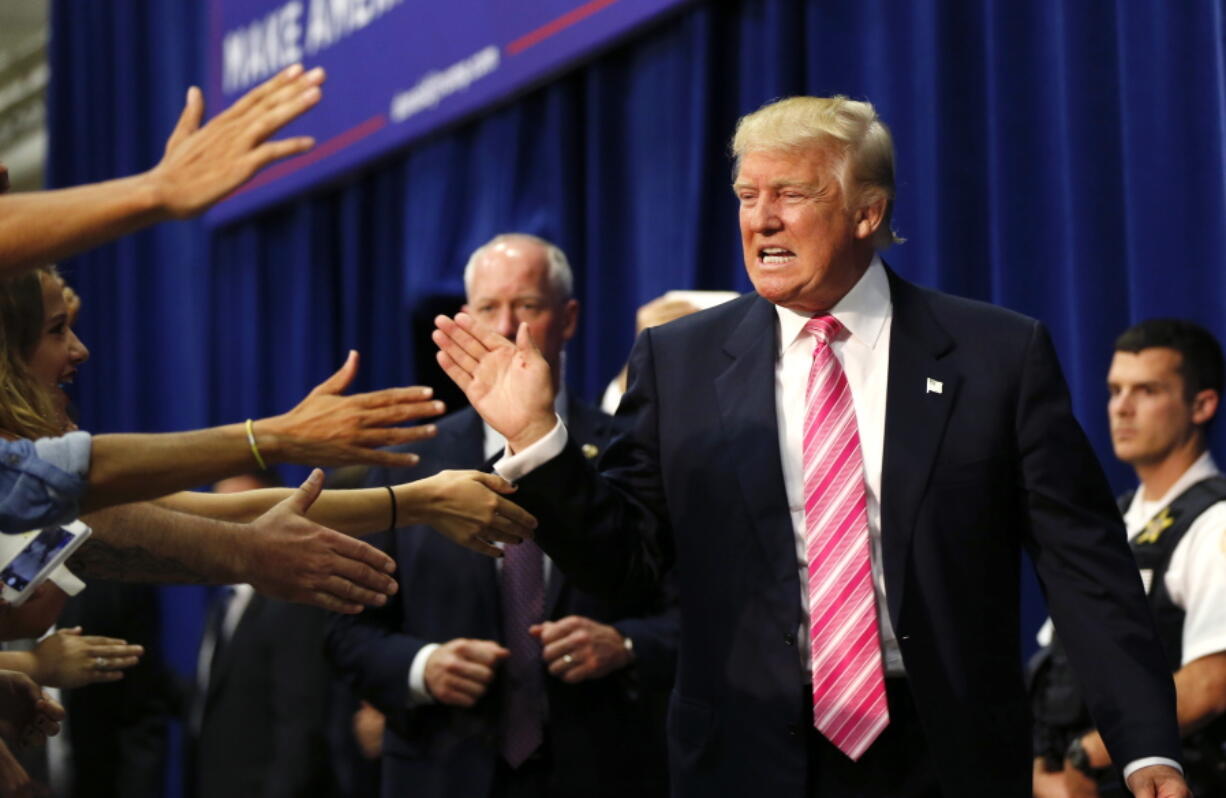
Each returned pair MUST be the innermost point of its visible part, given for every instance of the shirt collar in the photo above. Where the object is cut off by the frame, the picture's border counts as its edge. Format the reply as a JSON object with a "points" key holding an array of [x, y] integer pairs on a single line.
{"points": [[863, 310], [1203, 468]]}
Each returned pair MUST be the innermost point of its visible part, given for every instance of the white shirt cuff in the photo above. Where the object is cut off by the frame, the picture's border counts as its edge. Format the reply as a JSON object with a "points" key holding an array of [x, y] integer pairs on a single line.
{"points": [[512, 467], [418, 692], [1144, 762]]}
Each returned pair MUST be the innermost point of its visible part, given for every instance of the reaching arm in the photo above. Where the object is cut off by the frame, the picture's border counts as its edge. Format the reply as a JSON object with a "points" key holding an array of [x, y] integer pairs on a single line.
{"points": [[69, 659], [201, 165], [464, 505], [281, 553], [325, 428]]}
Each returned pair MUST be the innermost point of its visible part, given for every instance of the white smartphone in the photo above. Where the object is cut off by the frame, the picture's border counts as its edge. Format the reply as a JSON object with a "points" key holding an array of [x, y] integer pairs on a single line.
{"points": [[30, 557]]}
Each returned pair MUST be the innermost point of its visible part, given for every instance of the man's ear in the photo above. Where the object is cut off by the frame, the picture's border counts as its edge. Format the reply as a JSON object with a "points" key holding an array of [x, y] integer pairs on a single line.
{"points": [[570, 312], [870, 215], [1204, 406]]}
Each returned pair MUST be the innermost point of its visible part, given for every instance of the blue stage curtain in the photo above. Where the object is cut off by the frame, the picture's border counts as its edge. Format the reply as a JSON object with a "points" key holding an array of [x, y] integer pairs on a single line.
{"points": [[1061, 159]]}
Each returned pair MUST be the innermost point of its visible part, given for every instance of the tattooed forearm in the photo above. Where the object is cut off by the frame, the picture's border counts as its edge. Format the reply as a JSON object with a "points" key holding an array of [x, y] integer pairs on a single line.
{"points": [[98, 559], [146, 543]]}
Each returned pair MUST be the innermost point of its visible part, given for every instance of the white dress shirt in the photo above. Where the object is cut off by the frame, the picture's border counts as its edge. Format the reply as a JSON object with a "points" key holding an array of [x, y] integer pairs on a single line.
{"points": [[864, 353]]}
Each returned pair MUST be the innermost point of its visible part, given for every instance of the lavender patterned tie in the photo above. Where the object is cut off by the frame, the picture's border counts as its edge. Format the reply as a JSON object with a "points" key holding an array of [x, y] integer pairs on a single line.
{"points": [[521, 724]]}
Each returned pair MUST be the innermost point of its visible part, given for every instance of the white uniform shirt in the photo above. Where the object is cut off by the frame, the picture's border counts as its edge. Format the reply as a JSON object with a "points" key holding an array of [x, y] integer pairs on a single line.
{"points": [[1196, 574]]}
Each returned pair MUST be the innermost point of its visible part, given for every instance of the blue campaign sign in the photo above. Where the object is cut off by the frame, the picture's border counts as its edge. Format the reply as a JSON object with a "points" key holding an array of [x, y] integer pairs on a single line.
{"points": [[397, 69]]}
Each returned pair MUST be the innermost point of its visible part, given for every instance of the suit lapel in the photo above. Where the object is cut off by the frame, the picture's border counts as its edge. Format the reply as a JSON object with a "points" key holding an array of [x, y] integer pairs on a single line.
{"points": [[224, 663], [923, 385], [745, 392]]}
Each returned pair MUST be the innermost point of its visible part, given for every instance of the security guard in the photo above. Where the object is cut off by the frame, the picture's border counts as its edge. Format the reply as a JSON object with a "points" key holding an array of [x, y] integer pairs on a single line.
{"points": [[1165, 384]]}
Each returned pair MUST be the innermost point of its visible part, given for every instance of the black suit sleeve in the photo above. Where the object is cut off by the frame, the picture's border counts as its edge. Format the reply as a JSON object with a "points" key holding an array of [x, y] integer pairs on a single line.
{"points": [[608, 531], [1094, 592], [370, 653]]}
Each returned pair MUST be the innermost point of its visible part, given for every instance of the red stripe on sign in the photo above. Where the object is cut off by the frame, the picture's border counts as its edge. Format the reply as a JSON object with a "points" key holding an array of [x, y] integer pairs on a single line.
{"points": [[316, 154], [561, 23]]}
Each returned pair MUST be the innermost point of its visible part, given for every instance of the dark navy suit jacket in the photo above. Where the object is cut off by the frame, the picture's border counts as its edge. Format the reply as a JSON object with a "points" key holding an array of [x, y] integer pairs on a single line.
{"points": [[264, 729], [992, 464], [606, 736]]}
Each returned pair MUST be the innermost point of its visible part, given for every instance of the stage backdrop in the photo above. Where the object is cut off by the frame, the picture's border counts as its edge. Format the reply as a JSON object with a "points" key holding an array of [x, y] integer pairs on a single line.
{"points": [[1061, 159], [407, 68]]}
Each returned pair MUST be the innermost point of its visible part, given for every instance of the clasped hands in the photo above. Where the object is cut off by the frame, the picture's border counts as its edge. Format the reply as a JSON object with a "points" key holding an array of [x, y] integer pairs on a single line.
{"points": [[574, 649]]}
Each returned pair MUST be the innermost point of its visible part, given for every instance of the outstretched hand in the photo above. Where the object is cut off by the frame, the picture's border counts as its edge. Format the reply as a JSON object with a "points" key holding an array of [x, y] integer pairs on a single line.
{"points": [[70, 659], [295, 559], [326, 428], [204, 164], [508, 384]]}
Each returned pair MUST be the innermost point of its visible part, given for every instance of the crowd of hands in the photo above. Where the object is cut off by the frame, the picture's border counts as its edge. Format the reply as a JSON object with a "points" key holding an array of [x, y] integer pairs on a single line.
{"points": [[299, 545], [289, 550]]}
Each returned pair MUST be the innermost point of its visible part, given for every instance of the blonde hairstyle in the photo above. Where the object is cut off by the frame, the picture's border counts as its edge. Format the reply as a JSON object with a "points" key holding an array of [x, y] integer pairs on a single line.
{"points": [[27, 408], [866, 171]]}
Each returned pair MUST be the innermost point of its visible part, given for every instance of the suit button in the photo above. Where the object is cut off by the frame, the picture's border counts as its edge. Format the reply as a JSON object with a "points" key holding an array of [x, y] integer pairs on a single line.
{"points": [[794, 729], [789, 639]]}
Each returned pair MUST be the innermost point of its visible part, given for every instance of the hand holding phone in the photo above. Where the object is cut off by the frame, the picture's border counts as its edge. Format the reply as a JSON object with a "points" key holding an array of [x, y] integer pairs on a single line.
{"points": [[30, 557]]}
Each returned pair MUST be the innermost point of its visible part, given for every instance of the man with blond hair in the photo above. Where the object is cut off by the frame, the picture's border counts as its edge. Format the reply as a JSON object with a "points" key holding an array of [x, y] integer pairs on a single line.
{"points": [[844, 469]]}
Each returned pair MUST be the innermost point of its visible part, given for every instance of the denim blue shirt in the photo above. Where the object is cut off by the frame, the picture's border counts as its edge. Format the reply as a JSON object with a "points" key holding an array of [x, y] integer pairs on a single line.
{"points": [[41, 482]]}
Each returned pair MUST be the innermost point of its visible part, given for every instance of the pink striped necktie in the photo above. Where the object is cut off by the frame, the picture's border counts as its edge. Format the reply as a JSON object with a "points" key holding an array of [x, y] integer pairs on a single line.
{"points": [[849, 704]]}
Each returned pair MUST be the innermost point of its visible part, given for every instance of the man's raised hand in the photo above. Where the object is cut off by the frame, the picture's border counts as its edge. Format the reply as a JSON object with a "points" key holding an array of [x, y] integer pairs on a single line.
{"points": [[508, 384]]}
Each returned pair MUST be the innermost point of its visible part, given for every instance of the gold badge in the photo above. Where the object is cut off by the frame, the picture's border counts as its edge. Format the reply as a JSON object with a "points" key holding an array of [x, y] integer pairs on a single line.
{"points": [[1156, 526], [590, 450]]}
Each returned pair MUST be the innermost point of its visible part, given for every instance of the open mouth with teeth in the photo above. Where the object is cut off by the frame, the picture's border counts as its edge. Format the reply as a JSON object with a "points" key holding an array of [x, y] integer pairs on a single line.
{"points": [[772, 256]]}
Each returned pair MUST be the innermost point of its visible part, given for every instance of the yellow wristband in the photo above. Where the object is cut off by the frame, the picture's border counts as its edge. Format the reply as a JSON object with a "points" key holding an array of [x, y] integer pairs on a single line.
{"points": [[255, 450]]}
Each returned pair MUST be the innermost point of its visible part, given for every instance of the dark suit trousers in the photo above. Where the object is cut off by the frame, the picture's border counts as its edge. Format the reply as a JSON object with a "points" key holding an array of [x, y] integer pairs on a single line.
{"points": [[896, 765], [529, 780]]}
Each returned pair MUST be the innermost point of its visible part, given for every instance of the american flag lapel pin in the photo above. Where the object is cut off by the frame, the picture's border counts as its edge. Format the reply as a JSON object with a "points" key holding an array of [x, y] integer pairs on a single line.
{"points": [[934, 386]]}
